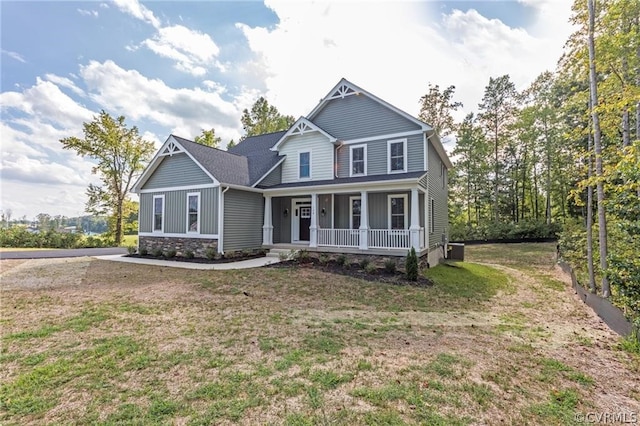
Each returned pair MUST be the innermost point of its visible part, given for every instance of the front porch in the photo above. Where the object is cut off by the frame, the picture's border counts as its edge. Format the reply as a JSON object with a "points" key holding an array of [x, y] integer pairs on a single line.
{"points": [[364, 222]]}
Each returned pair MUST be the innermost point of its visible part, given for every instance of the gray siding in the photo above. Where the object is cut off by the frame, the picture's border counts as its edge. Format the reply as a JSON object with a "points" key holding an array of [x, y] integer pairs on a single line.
{"points": [[438, 191], [177, 170], [273, 178], [243, 218], [356, 116], [324, 202], [321, 156], [377, 207], [281, 224], [377, 153], [175, 211]]}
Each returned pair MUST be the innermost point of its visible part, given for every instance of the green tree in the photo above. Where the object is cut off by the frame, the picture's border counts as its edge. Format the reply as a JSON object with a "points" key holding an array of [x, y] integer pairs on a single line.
{"points": [[208, 138], [264, 118], [120, 154], [436, 108], [231, 144], [497, 113]]}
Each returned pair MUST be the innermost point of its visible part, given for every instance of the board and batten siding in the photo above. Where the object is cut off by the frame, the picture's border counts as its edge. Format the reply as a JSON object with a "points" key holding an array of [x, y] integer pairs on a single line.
{"points": [[438, 191], [243, 219], [175, 211], [177, 170], [358, 116], [377, 156], [321, 156]]}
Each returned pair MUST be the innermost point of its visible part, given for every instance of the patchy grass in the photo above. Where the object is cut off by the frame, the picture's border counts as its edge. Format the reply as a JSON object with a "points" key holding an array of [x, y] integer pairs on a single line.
{"points": [[133, 344]]}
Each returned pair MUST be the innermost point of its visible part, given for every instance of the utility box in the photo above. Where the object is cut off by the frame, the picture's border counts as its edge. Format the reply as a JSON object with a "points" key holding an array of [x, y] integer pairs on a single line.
{"points": [[455, 251]]}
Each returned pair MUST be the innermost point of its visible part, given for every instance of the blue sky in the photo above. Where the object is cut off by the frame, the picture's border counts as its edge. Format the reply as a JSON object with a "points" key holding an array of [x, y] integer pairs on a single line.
{"points": [[179, 67]]}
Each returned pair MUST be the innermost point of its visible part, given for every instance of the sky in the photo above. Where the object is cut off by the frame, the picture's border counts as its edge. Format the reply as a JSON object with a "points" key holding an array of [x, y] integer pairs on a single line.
{"points": [[180, 67]]}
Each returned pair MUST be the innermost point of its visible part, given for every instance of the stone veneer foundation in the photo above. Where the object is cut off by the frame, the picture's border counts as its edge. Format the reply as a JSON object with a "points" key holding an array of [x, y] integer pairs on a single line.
{"points": [[198, 246]]}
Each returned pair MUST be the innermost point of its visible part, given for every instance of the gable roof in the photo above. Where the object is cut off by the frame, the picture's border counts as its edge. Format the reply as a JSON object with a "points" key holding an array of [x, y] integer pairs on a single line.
{"points": [[261, 159], [346, 88], [219, 165], [300, 127]]}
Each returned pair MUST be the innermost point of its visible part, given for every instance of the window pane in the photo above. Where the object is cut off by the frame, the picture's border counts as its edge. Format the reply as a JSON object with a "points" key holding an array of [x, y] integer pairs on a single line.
{"points": [[356, 206], [358, 154], [157, 206], [193, 204], [305, 167], [397, 206], [157, 214], [397, 156], [356, 221], [397, 222]]}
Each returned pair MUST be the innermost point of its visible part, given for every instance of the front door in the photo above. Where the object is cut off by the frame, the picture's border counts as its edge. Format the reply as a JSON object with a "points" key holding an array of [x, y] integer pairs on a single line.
{"points": [[305, 222], [301, 220]]}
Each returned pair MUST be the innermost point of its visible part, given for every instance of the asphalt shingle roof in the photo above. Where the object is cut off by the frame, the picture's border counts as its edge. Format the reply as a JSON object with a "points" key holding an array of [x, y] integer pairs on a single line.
{"points": [[257, 150], [224, 166], [363, 179]]}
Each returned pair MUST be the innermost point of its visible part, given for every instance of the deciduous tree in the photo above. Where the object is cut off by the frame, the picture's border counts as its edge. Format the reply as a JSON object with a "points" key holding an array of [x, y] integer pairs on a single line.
{"points": [[264, 118]]}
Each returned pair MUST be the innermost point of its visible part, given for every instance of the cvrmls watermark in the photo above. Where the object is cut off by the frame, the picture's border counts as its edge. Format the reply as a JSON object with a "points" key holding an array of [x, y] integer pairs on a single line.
{"points": [[604, 417]]}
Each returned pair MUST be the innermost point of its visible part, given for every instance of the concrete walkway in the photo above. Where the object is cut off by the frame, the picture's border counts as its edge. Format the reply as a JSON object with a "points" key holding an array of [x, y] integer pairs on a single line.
{"points": [[241, 264]]}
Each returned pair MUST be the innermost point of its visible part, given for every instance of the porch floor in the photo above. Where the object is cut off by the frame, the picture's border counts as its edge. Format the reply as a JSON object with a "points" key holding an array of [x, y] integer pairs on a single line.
{"points": [[346, 250]]}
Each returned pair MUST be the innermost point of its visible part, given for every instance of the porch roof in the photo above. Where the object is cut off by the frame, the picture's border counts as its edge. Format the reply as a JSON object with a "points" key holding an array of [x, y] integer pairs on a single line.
{"points": [[359, 179]]}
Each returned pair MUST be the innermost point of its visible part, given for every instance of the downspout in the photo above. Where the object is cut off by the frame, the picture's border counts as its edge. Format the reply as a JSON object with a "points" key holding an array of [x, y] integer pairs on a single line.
{"points": [[221, 218]]}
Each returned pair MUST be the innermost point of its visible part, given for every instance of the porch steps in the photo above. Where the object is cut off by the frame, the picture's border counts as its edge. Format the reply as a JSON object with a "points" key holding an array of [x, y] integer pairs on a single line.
{"points": [[277, 252]]}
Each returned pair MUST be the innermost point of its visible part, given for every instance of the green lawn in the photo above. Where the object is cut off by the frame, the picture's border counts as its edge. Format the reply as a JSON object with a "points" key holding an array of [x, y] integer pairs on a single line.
{"points": [[134, 344]]}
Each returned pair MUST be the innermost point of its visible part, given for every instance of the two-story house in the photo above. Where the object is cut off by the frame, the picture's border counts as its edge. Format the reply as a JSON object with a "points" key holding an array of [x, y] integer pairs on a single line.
{"points": [[356, 175]]}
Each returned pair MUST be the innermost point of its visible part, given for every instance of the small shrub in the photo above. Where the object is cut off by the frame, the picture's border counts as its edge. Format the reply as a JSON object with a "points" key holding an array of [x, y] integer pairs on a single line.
{"points": [[323, 259], [189, 254], [171, 253], [131, 249], [144, 251], [157, 252], [411, 265], [341, 260], [390, 266], [211, 253], [283, 256], [370, 268], [303, 256], [364, 263], [247, 252]]}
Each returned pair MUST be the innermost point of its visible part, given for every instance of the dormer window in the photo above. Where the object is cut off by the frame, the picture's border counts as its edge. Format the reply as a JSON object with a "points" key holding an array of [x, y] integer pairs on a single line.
{"points": [[358, 156], [397, 156], [304, 165]]}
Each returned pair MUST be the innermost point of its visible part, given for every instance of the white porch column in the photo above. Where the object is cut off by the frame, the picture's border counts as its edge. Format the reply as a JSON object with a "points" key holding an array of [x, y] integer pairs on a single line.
{"points": [[415, 221], [313, 228], [267, 226], [364, 221]]}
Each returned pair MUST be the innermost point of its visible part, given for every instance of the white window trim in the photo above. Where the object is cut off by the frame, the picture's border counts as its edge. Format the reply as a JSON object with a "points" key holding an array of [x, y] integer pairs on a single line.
{"points": [[432, 216], [310, 164], [443, 174], [153, 215], [351, 148], [406, 209], [351, 199], [192, 194], [404, 150]]}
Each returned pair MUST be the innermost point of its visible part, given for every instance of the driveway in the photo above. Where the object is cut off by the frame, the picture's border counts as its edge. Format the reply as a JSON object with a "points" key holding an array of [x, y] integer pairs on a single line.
{"points": [[47, 254]]}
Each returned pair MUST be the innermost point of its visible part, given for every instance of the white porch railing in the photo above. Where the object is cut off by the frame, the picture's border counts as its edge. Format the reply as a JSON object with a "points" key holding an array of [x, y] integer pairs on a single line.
{"points": [[390, 238], [377, 238], [338, 237]]}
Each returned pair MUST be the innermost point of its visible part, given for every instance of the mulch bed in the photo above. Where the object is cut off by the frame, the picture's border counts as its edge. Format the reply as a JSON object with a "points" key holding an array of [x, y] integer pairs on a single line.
{"points": [[356, 271]]}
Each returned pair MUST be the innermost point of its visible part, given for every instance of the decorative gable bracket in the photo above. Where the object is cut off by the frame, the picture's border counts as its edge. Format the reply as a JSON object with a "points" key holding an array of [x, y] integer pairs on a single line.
{"points": [[301, 128], [342, 91], [171, 149]]}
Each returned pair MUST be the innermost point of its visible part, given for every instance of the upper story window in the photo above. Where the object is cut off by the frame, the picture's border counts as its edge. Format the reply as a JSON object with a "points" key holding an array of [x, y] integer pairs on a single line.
{"points": [[158, 213], [397, 156], [304, 165], [358, 160], [193, 212]]}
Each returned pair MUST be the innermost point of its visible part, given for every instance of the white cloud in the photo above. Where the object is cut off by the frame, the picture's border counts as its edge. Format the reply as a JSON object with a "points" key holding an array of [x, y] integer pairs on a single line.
{"points": [[137, 10], [184, 110], [65, 82], [86, 12], [192, 50], [395, 49], [15, 55]]}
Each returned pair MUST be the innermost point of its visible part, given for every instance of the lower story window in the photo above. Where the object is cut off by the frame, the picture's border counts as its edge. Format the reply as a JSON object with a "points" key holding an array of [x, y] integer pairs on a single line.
{"points": [[193, 212], [397, 211], [158, 213], [356, 212]]}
